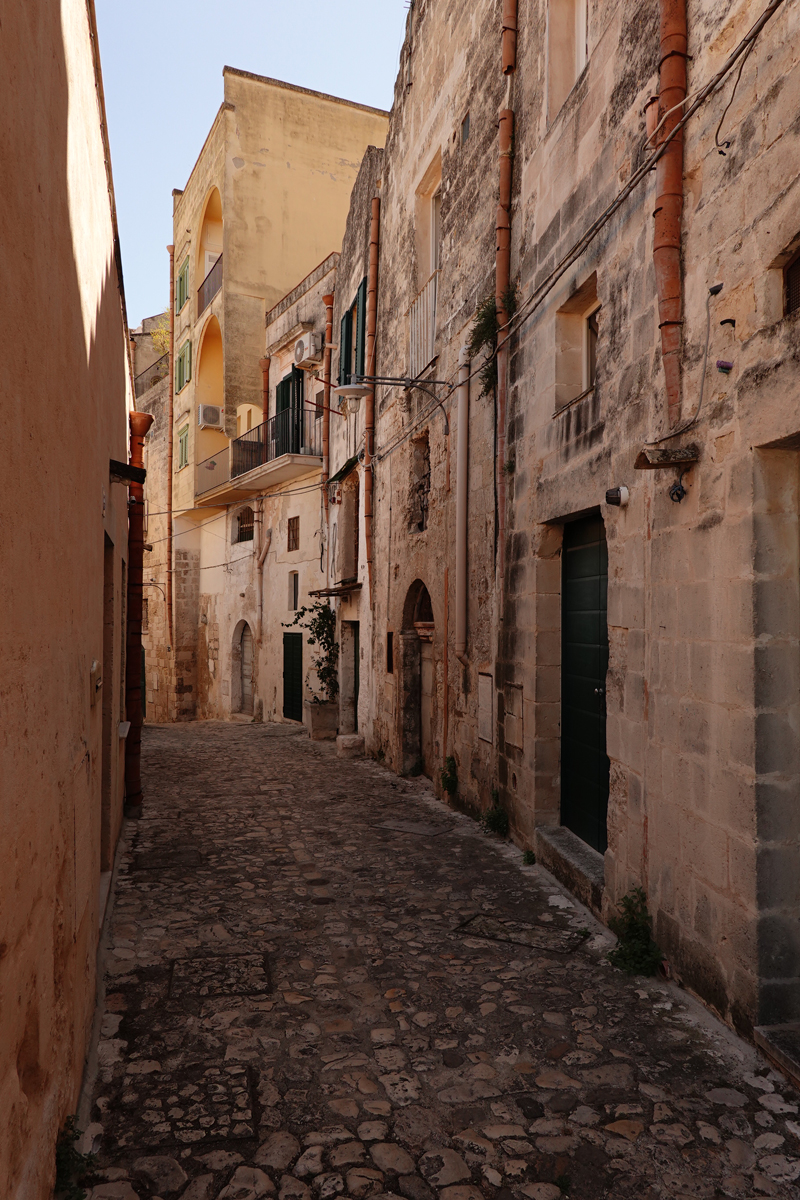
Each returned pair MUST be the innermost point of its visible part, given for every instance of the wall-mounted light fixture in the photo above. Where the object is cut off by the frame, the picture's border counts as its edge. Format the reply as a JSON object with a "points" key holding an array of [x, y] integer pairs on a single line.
{"points": [[618, 496]]}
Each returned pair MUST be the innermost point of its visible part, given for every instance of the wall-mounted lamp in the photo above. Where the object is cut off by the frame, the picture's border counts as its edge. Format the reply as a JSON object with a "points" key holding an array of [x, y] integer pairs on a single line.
{"points": [[618, 496]]}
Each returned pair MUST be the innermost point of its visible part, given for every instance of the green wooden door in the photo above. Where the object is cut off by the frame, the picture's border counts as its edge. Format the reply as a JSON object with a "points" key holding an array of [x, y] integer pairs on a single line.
{"points": [[584, 662], [293, 676]]}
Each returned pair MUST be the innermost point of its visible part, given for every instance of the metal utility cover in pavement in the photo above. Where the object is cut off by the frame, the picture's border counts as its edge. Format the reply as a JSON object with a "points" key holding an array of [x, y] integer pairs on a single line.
{"points": [[560, 941], [191, 1105], [240, 975]]}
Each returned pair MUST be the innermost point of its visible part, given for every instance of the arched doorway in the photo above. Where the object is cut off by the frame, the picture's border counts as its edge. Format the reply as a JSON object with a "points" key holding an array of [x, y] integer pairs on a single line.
{"points": [[418, 674], [242, 670]]}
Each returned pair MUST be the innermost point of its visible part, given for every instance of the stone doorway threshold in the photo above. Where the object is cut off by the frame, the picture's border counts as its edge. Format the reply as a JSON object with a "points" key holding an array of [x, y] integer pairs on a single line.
{"points": [[574, 863], [781, 1044]]}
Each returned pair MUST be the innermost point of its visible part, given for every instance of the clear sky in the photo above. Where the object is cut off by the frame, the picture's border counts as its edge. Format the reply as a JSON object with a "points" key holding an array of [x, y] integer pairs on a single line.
{"points": [[162, 73]]}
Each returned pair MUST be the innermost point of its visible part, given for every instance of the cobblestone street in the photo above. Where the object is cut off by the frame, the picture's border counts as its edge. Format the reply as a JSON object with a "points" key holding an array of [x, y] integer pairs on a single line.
{"points": [[321, 981]]}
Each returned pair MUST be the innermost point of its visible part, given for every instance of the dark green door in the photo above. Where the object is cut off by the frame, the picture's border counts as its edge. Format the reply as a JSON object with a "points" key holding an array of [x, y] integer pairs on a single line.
{"points": [[293, 676], [356, 671], [584, 662]]}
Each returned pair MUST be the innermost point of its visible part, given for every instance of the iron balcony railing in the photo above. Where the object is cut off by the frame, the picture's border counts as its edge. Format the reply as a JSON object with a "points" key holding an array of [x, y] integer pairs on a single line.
{"points": [[209, 287], [154, 374], [293, 431], [423, 327]]}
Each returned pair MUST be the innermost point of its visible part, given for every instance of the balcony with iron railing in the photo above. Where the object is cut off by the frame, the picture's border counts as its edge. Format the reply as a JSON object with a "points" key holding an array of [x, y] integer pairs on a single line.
{"points": [[284, 447], [151, 375], [422, 316], [209, 287]]}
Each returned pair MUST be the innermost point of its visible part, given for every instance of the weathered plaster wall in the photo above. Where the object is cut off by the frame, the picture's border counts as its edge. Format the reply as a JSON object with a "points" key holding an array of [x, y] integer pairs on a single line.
{"points": [[156, 636], [61, 576]]}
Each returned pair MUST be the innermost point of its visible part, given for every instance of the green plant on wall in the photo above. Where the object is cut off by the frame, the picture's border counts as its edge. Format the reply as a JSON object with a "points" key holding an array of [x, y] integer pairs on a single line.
{"points": [[159, 334], [635, 953], [483, 335], [72, 1167], [449, 776], [319, 620]]}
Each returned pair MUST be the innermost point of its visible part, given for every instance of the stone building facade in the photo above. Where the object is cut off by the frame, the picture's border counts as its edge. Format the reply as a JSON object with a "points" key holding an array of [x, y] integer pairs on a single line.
{"points": [[572, 476], [628, 690], [66, 394], [265, 204]]}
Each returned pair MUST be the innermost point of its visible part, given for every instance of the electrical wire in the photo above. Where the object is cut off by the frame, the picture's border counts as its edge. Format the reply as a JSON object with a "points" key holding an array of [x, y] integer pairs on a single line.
{"points": [[536, 298], [730, 102]]}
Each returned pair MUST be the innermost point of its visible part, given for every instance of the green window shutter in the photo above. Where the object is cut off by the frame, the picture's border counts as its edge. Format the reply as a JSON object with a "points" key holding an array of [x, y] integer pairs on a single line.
{"points": [[361, 328], [188, 361], [283, 394], [345, 348]]}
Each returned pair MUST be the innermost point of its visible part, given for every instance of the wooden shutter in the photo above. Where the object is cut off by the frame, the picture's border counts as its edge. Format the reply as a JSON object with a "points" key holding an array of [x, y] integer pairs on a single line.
{"points": [[297, 381], [361, 328], [283, 394], [345, 348]]}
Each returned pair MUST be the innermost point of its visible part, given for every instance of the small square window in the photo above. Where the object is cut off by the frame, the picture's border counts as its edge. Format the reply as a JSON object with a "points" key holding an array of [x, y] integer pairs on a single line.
{"points": [[293, 534], [183, 447]]}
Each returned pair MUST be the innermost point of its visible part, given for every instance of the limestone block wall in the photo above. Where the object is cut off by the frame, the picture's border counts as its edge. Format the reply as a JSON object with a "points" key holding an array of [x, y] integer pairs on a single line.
{"points": [[443, 79], [156, 636], [63, 557]]}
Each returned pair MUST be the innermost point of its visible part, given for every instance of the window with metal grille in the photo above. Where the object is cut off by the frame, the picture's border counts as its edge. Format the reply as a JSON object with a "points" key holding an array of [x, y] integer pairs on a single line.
{"points": [[293, 534], [792, 277], [245, 524]]}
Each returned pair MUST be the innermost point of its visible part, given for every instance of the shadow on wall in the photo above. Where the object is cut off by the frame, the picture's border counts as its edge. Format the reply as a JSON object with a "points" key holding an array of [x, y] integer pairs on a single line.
{"points": [[64, 403]]}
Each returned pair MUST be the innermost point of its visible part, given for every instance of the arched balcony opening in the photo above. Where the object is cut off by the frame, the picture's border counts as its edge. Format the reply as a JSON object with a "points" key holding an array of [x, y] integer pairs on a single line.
{"points": [[210, 393], [209, 252]]}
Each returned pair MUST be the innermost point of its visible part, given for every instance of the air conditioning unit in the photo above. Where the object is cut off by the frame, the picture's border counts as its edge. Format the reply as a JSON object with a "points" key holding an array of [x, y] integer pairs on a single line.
{"points": [[209, 416], [308, 350]]}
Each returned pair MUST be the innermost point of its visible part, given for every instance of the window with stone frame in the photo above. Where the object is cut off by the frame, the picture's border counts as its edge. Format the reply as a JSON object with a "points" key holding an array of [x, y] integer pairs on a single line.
{"points": [[244, 525], [567, 49], [577, 331]]}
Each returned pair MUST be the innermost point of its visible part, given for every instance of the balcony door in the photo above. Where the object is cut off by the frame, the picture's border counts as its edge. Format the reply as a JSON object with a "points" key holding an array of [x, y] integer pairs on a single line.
{"points": [[288, 426]]}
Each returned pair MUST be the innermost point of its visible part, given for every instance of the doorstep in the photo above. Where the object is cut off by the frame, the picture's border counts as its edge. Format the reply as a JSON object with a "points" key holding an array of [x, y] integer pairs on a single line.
{"points": [[574, 863], [781, 1044]]}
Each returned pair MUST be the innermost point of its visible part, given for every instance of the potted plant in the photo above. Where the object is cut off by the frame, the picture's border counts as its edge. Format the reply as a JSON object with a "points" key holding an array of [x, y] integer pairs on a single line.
{"points": [[322, 710]]}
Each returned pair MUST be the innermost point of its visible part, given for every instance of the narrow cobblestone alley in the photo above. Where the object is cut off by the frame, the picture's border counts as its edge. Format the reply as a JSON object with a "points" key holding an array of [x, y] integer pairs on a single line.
{"points": [[321, 981]]}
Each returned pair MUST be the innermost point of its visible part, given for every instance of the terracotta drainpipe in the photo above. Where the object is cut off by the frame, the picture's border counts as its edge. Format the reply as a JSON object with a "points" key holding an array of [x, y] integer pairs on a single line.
{"points": [[264, 364], [669, 199], [170, 437], [326, 379], [502, 281], [369, 418], [462, 497], [509, 36], [140, 423]]}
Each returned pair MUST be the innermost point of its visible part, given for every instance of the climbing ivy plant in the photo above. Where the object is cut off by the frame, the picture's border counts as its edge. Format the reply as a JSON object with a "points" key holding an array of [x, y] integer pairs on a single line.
{"points": [[319, 620]]}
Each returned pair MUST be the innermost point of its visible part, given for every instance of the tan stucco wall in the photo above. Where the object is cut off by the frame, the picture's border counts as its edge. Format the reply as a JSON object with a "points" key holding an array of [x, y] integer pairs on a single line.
{"points": [[64, 381], [283, 161]]}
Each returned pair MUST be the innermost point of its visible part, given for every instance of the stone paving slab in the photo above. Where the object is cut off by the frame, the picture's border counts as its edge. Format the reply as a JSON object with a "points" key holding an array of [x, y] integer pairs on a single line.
{"points": [[321, 982]]}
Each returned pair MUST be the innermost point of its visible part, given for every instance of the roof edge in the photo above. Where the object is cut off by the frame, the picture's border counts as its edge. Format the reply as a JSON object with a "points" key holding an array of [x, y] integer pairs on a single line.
{"points": [[294, 87]]}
